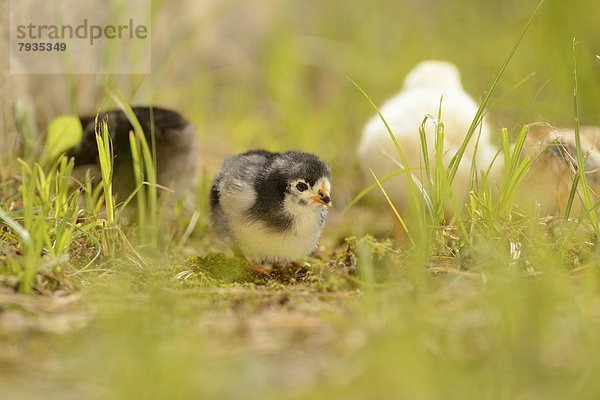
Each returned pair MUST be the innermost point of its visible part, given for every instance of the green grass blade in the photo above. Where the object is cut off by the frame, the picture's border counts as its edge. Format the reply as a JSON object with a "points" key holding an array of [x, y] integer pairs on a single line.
{"points": [[425, 153], [404, 162], [587, 198], [394, 210], [572, 194], [105, 157], [148, 160], [17, 228], [369, 188], [454, 163]]}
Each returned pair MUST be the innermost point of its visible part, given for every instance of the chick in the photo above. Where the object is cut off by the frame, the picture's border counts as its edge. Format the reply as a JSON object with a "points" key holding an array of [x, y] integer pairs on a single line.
{"points": [[177, 156], [271, 206], [424, 86], [547, 185]]}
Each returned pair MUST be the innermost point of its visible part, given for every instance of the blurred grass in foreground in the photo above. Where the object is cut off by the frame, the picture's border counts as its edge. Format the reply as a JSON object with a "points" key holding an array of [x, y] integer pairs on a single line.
{"points": [[490, 332]]}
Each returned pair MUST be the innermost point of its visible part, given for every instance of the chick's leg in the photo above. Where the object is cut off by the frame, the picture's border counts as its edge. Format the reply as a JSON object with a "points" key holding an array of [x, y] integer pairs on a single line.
{"points": [[261, 269]]}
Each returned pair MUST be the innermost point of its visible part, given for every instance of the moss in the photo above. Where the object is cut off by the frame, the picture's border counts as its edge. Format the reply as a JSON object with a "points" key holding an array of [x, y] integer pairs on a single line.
{"points": [[218, 268], [334, 273]]}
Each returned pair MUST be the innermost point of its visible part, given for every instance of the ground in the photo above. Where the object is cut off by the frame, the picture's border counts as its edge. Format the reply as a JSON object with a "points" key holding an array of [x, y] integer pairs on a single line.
{"points": [[212, 328]]}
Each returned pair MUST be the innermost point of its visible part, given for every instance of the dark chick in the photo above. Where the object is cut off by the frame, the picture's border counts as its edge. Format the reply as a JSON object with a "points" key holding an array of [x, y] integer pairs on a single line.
{"points": [[271, 206], [177, 156]]}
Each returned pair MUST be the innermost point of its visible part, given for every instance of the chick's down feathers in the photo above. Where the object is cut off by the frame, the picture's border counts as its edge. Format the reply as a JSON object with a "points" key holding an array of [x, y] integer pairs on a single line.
{"points": [[256, 204], [424, 87]]}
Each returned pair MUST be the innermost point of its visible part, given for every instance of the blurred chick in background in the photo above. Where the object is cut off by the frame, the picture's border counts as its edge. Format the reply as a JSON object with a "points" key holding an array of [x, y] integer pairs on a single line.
{"points": [[177, 156], [553, 151], [423, 88]]}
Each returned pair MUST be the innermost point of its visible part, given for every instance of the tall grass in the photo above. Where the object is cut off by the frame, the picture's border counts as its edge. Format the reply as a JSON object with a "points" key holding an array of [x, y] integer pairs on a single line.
{"points": [[429, 199], [516, 166], [105, 156], [144, 168], [417, 192], [581, 162], [45, 225], [55, 210]]}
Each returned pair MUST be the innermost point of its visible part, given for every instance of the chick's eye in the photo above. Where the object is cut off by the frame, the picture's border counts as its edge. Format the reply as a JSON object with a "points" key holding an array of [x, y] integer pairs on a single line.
{"points": [[301, 186]]}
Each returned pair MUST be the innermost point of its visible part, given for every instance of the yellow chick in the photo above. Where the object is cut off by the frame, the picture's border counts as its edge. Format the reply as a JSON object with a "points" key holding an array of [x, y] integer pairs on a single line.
{"points": [[423, 88]]}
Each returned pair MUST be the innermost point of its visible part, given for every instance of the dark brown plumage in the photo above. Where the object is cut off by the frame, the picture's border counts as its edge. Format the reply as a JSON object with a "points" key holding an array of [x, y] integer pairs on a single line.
{"points": [[177, 156]]}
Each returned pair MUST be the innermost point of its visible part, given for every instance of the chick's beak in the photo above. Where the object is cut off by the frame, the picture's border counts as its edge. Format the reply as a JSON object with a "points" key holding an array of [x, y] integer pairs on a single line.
{"points": [[323, 198]]}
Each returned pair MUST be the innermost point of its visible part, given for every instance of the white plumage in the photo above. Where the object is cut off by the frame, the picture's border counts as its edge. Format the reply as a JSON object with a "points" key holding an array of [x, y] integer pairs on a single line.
{"points": [[423, 87]]}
